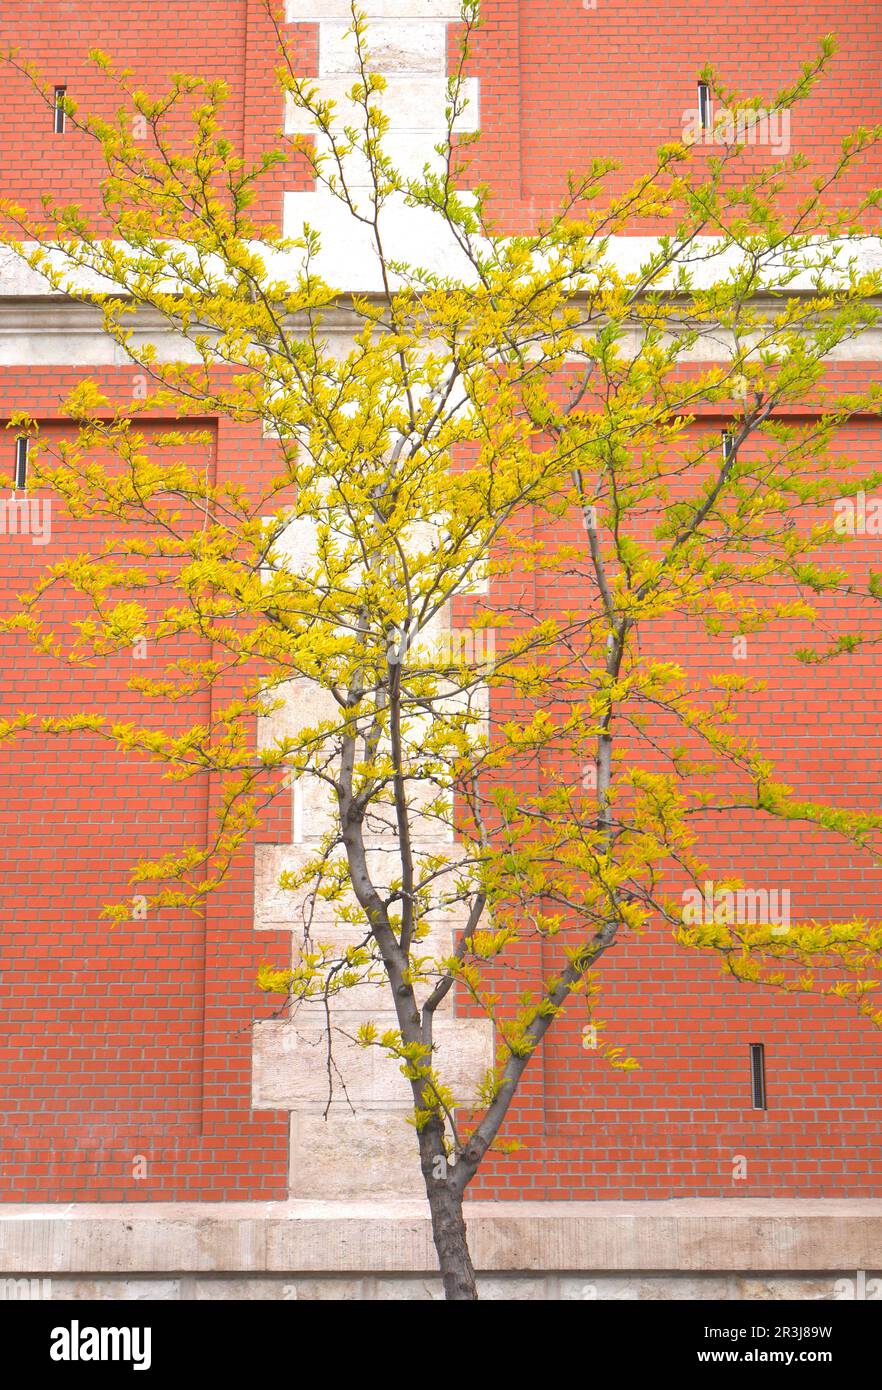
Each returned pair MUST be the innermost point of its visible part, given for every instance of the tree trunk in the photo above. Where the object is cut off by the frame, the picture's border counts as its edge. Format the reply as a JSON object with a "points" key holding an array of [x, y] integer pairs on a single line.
{"points": [[448, 1222], [449, 1231]]}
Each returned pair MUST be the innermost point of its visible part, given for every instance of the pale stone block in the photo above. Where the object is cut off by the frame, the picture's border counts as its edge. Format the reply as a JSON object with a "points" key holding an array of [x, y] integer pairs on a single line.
{"points": [[516, 1290], [80, 349], [314, 810], [296, 544], [392, 46], [406, 1290], [384, 862], [603, 1288], [239, 1290], [465, 1051], [290, 1068], [318, 11], [408, 153], [348, 256], [17, 277], [290, 1061], [684, 1248], [354, 1156], [319, 1290], [352, 1006], [274, 905], [305, 706], [437, 944], [411, 103], [772, 1288], [371, 998], [626, 255], [111, 1290]]}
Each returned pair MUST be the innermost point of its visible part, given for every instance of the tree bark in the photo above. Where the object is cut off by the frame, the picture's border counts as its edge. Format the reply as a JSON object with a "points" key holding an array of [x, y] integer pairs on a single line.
{"points": [[449, 1231], [448, 1223]]}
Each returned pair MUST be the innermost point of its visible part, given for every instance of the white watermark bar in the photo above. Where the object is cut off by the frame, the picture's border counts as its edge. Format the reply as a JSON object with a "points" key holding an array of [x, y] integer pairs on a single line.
{"points": [[26, 516]]}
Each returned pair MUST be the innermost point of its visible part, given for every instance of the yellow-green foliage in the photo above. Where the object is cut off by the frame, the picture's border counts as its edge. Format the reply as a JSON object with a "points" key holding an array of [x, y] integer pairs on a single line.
{"points": [[466, 412]]}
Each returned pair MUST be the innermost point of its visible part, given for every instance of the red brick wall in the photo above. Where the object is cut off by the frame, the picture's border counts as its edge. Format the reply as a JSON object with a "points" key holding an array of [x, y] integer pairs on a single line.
{"points": [[231, 40], [675, 1126], [125, 1061], [562, 85], [559, 84]]}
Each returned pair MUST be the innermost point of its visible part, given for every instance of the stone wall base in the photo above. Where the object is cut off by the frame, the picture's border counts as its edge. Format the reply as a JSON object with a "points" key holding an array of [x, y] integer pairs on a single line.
{"points": [[528, 1287], [691, 1249]]}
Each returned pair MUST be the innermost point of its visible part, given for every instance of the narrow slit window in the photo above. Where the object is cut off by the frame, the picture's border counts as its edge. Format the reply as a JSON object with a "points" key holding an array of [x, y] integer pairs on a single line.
{"points": [[60, 94], [704, 105], [21, 460], [758, 1076], [728, 446]]}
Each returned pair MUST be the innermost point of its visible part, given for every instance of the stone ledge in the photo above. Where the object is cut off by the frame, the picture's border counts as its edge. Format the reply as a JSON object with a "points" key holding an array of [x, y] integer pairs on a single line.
{"points": [[394, 1236]]}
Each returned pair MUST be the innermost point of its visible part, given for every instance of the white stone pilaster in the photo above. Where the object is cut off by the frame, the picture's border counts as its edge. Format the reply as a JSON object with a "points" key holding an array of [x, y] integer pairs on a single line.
{"points": [[407, 42], [350, 1138]]}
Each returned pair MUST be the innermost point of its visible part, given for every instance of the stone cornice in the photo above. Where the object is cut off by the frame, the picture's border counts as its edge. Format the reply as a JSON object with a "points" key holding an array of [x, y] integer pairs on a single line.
{"points": [[691, 1235]]}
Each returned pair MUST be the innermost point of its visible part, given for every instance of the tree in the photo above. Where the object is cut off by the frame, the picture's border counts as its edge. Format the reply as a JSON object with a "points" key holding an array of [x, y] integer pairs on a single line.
{"points": [[551, 784]]}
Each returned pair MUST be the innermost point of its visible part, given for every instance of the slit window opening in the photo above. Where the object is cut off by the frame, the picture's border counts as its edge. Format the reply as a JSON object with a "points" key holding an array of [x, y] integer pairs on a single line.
{"points": [[60, 93], [758, 1076], [704, 105], [728, 446], [21, 461]]}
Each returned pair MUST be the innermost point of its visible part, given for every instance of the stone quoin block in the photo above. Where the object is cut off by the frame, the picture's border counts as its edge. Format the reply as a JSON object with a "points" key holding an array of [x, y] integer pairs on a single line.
{"points": [[291, 1067], [419, 47]]}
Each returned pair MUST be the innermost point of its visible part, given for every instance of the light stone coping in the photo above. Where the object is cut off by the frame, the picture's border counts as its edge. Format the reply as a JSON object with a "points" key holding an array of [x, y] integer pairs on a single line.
{"points": [[42, 329], [336, 1237]]}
